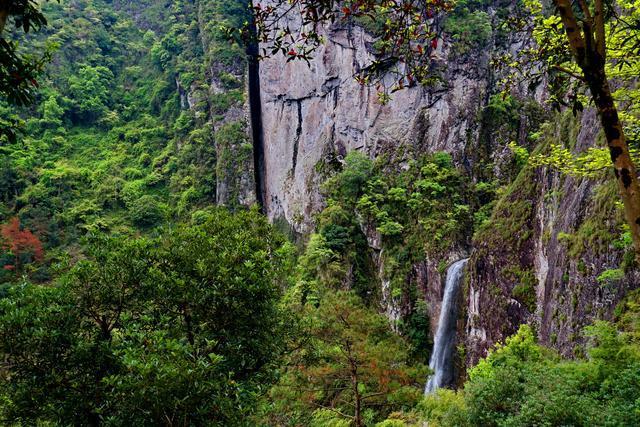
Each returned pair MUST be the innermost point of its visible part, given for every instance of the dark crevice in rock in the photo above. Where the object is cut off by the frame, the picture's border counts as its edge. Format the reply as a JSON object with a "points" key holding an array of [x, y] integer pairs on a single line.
{"points": [[330, 85], [296, 140], [255, 108]]}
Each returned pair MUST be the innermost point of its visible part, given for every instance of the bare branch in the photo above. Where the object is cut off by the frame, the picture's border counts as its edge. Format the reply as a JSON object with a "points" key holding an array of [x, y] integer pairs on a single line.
{"points": [[368, 396], [569, 72]]}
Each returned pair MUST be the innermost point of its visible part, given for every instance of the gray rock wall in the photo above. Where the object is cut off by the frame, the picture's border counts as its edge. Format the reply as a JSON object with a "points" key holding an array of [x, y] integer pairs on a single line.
{"points": [[567, 234], [312, 114]]}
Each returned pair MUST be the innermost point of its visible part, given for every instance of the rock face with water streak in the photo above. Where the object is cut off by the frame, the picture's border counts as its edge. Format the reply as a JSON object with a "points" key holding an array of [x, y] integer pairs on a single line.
{"points": [[544, 269], [314, 115]]}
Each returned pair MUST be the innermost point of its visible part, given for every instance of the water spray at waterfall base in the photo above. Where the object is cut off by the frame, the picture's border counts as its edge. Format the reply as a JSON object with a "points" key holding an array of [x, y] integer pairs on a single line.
{"points": [[441, 363]]}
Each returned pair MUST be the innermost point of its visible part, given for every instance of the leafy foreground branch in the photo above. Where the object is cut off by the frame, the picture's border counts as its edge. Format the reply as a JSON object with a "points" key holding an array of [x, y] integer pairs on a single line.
{"points": [[587, 39], [19, 70]]}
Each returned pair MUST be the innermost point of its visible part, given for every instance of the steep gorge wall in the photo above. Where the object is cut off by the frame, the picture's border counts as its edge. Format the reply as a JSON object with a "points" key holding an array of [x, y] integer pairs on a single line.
{"points": [[541, 257], [313, 115]]}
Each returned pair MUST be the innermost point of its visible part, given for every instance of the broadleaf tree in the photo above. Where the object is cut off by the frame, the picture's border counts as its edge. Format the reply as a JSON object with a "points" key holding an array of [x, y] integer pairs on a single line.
{"points": [[182, 329]]}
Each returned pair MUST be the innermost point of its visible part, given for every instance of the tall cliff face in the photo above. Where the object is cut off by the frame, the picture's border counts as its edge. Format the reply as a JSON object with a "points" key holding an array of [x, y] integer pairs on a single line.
{"points": [[552, 254], [313, 115]]}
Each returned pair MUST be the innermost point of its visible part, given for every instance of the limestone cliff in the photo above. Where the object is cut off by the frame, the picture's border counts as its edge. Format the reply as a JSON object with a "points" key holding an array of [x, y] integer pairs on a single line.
{"points": [[544, 255], [315, 114]]}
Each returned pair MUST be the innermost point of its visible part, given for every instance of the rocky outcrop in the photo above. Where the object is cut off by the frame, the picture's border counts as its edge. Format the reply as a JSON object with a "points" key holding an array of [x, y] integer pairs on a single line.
{"points": [[551, 256], [215, 98], [314, 114]]}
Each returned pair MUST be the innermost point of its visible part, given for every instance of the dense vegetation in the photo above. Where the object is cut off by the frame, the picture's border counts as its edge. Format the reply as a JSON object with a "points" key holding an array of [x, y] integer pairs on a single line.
{"points": [[522, 383], [110, 144], [139, 287], [184, 328]]}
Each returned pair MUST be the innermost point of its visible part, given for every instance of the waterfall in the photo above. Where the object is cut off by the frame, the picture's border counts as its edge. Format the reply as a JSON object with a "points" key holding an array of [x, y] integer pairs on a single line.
{"points": [[441, 362]]}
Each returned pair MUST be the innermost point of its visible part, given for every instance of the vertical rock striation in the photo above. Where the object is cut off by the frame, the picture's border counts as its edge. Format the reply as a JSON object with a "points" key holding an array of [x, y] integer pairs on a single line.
{"points": [[542, 257], [313, 115]]}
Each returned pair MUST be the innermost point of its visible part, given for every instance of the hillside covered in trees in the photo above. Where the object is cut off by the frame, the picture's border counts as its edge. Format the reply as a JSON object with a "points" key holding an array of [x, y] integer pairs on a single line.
{"points": [[310, 213]]}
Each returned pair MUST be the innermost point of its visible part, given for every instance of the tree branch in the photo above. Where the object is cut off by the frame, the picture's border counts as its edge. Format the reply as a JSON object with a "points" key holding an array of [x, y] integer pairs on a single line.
{"points": [[585, 9], [373, 395], [4, 14], [350, 417], [569, 72], [601, 46]]}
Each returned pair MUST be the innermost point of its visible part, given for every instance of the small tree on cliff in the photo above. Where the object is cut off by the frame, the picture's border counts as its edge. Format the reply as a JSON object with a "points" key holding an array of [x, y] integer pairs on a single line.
{"points": [[353, 368], [409, 34]]}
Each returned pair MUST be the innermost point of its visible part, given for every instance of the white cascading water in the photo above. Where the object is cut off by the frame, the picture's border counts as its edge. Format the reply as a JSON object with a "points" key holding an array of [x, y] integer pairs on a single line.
{"points": [[441, 363]]}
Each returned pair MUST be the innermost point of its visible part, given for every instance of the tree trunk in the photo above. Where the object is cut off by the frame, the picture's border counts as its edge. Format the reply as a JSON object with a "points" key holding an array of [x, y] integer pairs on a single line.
{"points": [[623, 167], [588, 46], [4, 14], [357, 417], [188, 324]]}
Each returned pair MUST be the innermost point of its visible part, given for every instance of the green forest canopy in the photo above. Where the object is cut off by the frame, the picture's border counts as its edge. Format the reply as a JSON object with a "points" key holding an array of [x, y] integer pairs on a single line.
{"points": [[128, 299]]}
